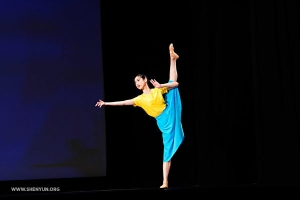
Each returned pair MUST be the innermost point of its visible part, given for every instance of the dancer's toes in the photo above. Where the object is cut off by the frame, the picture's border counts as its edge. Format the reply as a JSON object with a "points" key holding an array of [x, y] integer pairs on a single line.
{"points": [[171, 48]]}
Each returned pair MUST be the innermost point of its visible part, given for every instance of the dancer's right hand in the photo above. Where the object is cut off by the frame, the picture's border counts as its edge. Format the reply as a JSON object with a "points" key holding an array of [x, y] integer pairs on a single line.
{"points": [[100, 103]]}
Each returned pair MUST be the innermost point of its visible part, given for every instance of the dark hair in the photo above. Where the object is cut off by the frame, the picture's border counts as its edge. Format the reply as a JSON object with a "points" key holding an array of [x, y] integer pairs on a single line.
{"points": [[143, 76]]}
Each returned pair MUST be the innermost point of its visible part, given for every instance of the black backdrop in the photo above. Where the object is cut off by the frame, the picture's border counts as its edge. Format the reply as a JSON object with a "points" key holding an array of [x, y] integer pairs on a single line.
{"points": [[238, 75]]}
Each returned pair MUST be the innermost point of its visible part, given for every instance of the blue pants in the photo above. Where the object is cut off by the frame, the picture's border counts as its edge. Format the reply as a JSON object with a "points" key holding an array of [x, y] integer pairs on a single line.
{"points": [[169, 123]]}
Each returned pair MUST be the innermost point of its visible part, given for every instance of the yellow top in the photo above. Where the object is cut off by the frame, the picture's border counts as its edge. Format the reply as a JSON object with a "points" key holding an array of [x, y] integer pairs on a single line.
{"points": [[153, 103]]}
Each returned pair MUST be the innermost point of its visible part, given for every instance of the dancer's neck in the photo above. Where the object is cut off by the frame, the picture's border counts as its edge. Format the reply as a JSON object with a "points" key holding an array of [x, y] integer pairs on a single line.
{"points": [[146, 90]]}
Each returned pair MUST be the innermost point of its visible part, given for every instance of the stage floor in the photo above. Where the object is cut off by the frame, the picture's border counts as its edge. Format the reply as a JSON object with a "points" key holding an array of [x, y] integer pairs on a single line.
{"points": [[192, 192]]}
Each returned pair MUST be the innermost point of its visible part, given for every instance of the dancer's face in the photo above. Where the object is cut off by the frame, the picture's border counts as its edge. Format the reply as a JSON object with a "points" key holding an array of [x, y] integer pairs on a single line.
{"points": [[140, 82]]}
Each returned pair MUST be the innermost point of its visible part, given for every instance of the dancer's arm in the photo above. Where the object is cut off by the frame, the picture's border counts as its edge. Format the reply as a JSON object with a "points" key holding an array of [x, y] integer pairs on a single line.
{"points": [[169, 85], [101, 103]]}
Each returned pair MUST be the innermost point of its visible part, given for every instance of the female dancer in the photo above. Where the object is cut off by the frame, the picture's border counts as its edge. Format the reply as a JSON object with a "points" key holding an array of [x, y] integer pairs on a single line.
{"points": [[166, 111]]}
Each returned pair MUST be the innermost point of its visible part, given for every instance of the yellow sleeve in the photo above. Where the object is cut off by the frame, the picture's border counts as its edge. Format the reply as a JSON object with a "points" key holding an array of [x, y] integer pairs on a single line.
{"points": [[163, 90], [137, 101]]}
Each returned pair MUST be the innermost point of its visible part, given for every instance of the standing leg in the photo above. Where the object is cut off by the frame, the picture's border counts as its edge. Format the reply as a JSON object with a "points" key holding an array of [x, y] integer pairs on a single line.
{"points": [[166, 169], [173, 77]]}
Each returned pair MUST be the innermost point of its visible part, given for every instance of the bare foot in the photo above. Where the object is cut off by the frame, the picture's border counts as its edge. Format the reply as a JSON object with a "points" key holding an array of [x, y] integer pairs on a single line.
{"points": [[173, 55], [164, 185]]}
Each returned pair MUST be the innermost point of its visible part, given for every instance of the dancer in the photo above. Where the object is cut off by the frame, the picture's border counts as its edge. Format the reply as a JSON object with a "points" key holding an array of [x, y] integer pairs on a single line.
{"points": [[166, 110]]}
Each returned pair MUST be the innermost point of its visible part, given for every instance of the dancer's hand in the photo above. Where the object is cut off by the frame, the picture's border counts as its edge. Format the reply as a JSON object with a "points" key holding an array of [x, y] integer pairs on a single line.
{"points": [[155, 83], [100, 103]]}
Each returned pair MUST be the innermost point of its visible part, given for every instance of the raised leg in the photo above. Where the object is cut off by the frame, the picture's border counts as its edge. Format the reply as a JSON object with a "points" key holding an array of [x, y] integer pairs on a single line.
{"points": [[173, 58]]}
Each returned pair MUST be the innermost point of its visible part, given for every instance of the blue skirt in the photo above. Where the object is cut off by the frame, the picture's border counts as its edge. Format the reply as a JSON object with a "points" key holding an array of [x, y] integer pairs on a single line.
{"points": [[169, 123]]}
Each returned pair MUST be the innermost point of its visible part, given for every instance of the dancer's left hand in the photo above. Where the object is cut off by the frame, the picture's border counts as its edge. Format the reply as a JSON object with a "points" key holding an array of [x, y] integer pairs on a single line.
{"points": [[155, 83]]}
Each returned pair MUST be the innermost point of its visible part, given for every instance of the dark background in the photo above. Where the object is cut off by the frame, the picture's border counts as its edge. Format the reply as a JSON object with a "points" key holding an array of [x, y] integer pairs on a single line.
{"points": [[238, 75]]}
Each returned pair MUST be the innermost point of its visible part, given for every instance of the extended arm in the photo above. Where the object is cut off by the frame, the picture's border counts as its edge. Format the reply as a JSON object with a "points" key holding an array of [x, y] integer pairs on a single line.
{"points": [[169, 86], [115, 103]]}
